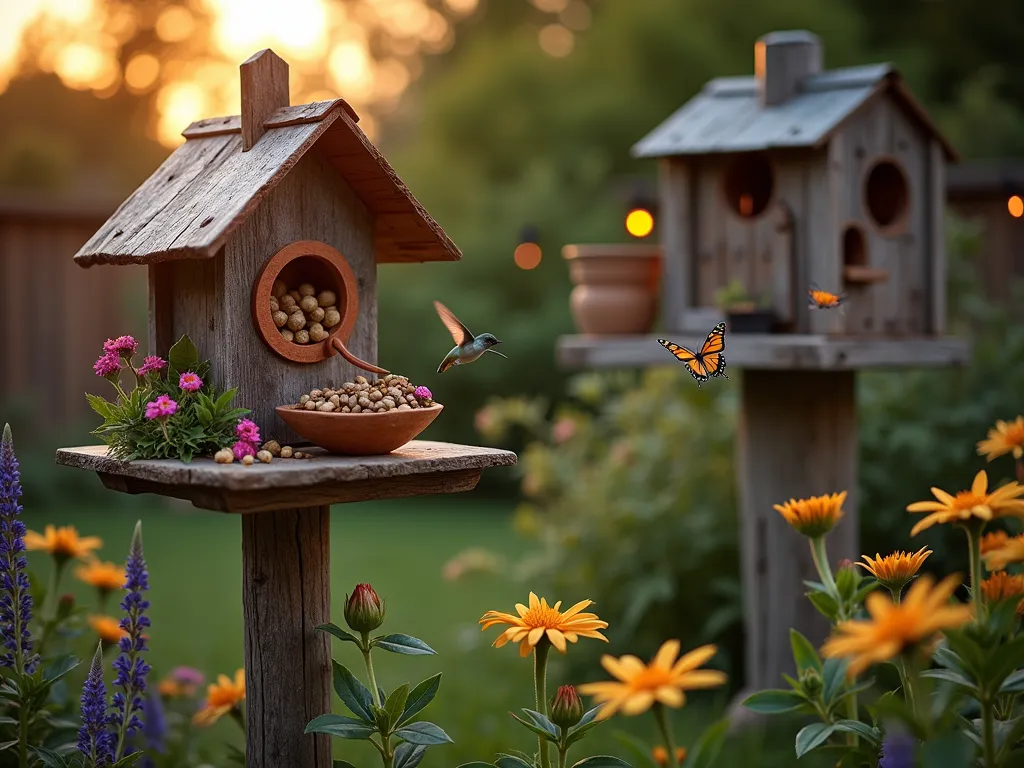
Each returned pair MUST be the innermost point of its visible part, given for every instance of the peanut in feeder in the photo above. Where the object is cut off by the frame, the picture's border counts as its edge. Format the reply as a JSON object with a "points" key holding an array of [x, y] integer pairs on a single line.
{"points": [[280, 203]]}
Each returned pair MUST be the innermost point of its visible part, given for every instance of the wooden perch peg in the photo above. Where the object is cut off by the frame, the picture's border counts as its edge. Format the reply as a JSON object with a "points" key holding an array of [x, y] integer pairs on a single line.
{"points": [[264, 78]]}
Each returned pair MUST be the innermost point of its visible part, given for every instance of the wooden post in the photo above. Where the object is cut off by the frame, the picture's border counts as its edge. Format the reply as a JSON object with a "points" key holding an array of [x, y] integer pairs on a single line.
{"points": [[264, 78], [797, 438], [285, 594], [675, 184]]}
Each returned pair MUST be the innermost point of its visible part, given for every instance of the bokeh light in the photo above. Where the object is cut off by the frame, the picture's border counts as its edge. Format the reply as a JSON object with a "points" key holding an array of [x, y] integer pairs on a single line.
{"points": [[639, 222], [1016, 206], [527, 255], [141, 72], [175, 24], [576, 15], [550, 6], [557, 41]]}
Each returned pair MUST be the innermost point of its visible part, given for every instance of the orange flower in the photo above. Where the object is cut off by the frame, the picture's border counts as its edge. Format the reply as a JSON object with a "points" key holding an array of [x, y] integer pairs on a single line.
{"points": [[976, 504], [62, 543], [539, 621], [1003, 438], [1003, 586], [108, 629], [106, 577], [1009, 551], [815, 516], [994, 540], [221, 697], [660, 755]]}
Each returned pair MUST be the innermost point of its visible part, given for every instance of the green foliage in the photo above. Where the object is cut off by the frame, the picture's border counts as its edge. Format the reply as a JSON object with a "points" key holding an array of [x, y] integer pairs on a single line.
{"points": [[204, 422]]}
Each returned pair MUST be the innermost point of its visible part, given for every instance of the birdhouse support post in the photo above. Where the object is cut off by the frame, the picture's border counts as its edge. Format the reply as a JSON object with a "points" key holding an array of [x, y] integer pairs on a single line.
{"points": [[797, 437], [286, 594]]}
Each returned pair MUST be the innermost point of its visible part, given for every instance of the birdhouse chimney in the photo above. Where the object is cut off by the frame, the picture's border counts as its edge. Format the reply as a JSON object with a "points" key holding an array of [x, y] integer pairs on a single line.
{"points": [[782, 60], [264, 77]]}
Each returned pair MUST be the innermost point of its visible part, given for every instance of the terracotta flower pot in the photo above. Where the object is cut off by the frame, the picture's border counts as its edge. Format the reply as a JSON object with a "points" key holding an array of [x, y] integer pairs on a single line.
{"points": [[359, 434], [616, 289]]}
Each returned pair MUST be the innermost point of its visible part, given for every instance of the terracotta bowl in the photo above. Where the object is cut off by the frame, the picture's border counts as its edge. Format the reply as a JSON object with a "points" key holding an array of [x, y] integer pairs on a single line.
{"points": [[359, 434]]}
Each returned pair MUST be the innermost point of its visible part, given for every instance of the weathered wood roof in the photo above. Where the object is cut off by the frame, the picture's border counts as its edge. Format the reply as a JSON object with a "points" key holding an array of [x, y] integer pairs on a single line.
{"points": [[193, 202], [726, 116]]}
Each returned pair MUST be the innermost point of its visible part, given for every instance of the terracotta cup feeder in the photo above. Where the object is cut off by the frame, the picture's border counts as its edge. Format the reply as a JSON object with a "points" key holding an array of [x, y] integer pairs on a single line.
{"points": [[310, 261], [359, 434]]}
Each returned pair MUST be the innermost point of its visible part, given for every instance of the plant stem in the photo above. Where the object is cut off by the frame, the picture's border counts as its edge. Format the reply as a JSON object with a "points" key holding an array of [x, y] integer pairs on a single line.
{"points": [[974, 547], [540, 690], [238, 717], [561, 757], [23, 729], [661, 716], [988, 737], [369, 669], [48, 614], [825, 572]]}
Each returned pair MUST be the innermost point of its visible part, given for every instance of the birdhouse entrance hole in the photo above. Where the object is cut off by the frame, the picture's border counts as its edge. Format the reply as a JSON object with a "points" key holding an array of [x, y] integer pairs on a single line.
{"points": [[316, 264], [748, 185], [887, 194], [855, 252]]}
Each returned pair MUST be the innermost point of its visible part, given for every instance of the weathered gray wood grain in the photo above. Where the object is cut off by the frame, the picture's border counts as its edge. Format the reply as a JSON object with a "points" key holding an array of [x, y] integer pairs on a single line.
{"points": [[676, 209], [286, 593], [264, 77]]}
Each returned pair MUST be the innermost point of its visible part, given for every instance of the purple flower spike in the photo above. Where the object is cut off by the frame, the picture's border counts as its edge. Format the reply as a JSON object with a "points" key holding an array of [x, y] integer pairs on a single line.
{"points": [[130, 667], [15, 598], [898, 751], [94, 740]]}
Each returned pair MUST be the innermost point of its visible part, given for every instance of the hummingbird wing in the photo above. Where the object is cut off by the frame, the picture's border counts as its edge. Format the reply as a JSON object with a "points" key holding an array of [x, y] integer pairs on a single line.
{"points": [[460, 333], [452, 358]]}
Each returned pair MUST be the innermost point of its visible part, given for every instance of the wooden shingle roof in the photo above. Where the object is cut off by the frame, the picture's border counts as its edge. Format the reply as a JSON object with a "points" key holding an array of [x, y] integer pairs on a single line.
{"points": [[727, 116], [190, 206]]}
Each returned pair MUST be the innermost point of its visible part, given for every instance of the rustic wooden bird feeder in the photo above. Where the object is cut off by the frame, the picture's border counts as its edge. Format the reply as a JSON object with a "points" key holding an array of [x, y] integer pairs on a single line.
{"points": [[297, 194], [791, 177]]}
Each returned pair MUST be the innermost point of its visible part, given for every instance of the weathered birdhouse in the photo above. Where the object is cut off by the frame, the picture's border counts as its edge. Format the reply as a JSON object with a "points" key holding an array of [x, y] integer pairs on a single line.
{"points": [[290, 193], [800, 176]]}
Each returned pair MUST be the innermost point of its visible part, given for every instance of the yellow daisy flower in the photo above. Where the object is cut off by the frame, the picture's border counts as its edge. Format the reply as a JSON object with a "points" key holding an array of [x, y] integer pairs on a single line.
{"points": [[540, 620], [815, 516], [221, 697], [107, 628], [62, 543], [993, 540], [639, 686], [897, 570], [997, 557], [106, 577], [894, 628], [1004, 437], [1003, 586], [977, 503]]}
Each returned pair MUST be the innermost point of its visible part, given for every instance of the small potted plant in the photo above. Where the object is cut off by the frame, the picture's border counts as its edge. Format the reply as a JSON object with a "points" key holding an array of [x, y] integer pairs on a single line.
{"points": [[743, 313]]}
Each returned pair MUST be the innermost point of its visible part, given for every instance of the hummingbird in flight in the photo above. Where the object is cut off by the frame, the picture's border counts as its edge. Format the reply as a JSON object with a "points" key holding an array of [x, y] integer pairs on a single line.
{"points": [[467, 346]]}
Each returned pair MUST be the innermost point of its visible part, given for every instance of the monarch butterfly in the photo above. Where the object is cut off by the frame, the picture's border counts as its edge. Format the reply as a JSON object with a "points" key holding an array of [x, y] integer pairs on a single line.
{"points": [[710, 361], [819, 299]]}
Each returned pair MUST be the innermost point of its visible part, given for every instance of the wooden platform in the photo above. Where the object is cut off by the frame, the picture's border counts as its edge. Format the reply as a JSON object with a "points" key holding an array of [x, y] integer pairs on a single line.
{"points": [[420, 467], [769, 352]]}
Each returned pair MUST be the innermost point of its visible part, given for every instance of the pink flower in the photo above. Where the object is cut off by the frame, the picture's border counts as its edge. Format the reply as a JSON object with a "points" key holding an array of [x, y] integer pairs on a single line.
{"points": [[187, 676], [248, 432], [161, 408], [486, 420], [190, 382], [563, 430], [422, 393], [125, 346], [152, 364], [107, 365], [242, 449]]}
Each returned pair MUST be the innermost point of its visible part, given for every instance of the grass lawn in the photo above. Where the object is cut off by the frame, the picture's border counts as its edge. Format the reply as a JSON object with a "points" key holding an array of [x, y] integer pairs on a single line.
{"points": [[400, 547]]}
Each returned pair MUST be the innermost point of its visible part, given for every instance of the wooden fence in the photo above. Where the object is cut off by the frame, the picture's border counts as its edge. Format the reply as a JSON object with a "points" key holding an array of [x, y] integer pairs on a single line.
{"points": [[54, 315]]}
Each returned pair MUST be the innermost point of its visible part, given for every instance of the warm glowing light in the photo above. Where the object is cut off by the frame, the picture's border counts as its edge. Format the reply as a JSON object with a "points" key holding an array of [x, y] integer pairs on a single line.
{"points": [[746, 205], [639, 222], [527, 255], [462, 6], [1016, 206], [141, 72], [576, 15], [82, 66], [555, 40], [349, 66], [551, 6], [294, 29], [175, 24], [179, 105]]}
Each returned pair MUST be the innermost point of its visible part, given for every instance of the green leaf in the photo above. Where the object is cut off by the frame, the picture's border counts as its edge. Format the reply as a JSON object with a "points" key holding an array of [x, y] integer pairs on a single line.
{"points": [[204, 416], [183, 356], [601, 761], [539, 730], [423, 733], [972, 656], [478, 764], [951, 676], [51, 759], [511, 761], [420, 696], [409, 755], [774, 701], [354, 694], [705, 752], [225, 400], [341, 726], [833, 675], [543, 722], [865, 731], [804, 654], [952, 749], [825, 604], [640, 751], [847, 580], [587, 723], [60, 667], [101, 406], [812, 736], [1005, 660], [395, 704], [410, 646], [127, 760], [866, 588], [1014, 683]]}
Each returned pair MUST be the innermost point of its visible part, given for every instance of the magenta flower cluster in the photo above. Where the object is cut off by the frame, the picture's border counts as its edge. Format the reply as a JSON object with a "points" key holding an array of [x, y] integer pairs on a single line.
{"points": [[190, 382], [123, 346], [422, 393], [248, 435], [152, 364], [161, 408], [108, 364]]}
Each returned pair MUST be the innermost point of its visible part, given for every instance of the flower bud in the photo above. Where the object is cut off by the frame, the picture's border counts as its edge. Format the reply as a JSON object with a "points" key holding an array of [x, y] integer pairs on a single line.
{"points": [[364, 610], [566, 707], [810, 679]]}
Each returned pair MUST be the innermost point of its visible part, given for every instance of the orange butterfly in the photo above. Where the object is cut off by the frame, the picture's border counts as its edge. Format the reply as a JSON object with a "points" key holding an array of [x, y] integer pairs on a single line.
{"points": [[819, 299], [710, 361]]}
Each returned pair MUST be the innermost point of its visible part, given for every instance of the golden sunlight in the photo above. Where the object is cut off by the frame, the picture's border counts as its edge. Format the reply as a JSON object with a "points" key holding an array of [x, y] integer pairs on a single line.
{"points": [[556, 41], [1016, 206]]}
